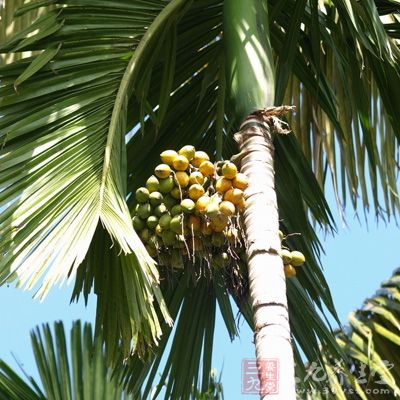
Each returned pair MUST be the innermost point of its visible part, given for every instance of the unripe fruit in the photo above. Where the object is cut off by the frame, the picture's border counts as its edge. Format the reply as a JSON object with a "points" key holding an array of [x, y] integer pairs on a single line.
{"points": [[165, 221], [168, 156], [181, 178], [152, 184], [152, 222], [177, 192], [234, 195], [138, 223], [199, 157], [202, 203], [187, 205], [281, 235], [155, 198], [298, 258], [144, 235], [169, 201], [229, 170], [196, 177], [286, 256], [142, 195], [168, 238], [187, 151], [227, 208], [195, 191], [176, 210], [207, 168], [144, 210], [176, 224], [223, 184], [162, 171], [290, 271], [240, 181], [181, 163], [166, 185]]}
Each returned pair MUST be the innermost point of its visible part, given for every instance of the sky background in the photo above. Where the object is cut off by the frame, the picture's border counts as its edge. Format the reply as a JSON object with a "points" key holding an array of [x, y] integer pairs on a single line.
{"points": [[357, 260]]}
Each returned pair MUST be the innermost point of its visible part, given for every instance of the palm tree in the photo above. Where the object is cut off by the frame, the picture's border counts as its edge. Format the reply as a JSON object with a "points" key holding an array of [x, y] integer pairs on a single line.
{"points": [[191, 71], [73, 369], [371, 343]]}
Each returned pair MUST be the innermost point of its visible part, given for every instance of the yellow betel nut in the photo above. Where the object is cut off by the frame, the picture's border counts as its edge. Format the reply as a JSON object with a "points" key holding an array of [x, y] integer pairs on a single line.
{"points": [[162, 171], [229, 170], [202, 204], [196, 177], [286, 256], [196, 191], [298, 258], [182, 178], [168, 156], [207, 168], [223, 184], [199, 157], [241, 205], [240, 181], [234, 195], [227, 208], [290, 271], [219, 222], [180, 163], [187, 151]]}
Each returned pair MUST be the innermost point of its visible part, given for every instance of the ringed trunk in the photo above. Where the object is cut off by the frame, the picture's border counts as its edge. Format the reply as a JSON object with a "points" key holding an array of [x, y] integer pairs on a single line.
{"points": [[266, 275], [250, 87]]}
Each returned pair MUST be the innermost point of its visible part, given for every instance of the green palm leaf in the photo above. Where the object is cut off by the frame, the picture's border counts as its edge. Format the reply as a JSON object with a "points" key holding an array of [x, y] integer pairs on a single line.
{"points": [[343, 63], [10, 26], [371, 343], [63, 157], [75, 368]]}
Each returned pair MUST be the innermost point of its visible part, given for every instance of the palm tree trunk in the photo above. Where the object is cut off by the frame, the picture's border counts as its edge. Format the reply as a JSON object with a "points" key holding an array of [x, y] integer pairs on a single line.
{"points": [[266, 277], [251, 87]]}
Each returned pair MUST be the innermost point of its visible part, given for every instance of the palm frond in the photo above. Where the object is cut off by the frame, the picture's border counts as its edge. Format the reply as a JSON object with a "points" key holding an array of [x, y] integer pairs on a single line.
{"points": [[13, 387], [339, 64], [75, 368], [9, 26], [68, 369], [371, 343], [63, 156]]}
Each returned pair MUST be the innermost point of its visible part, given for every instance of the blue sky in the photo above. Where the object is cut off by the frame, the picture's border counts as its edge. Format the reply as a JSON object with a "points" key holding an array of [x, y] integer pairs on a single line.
{"points": [[356, 261]]}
